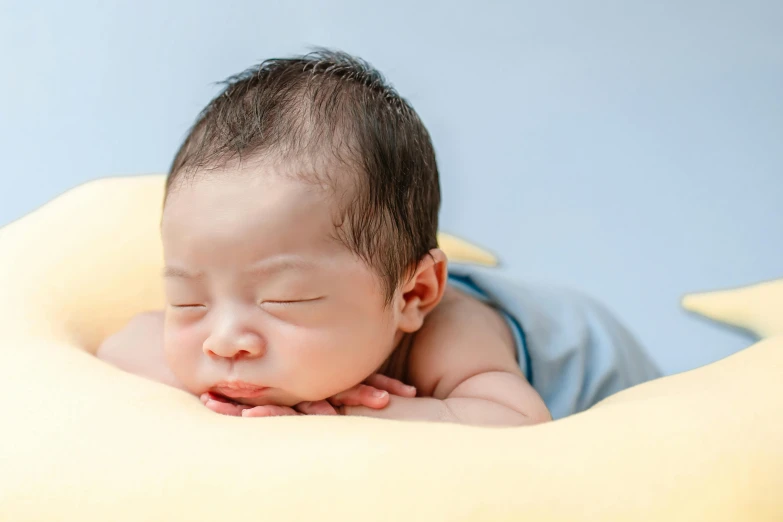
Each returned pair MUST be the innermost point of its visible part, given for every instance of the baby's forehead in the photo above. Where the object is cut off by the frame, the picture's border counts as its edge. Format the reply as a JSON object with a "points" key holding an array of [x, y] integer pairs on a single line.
{"points": [[247, 205], [262, 201]]}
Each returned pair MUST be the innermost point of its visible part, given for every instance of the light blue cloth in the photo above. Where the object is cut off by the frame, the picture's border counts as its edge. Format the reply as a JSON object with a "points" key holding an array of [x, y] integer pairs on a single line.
{"points": [[572, 349]]}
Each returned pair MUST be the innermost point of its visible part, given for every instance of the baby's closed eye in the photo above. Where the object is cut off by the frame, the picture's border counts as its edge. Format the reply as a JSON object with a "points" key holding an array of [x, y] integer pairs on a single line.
{"points": [[291, 301]]}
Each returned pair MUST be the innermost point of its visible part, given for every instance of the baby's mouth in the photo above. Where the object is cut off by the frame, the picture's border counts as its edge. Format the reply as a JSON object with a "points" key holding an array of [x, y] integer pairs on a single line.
{"points": [[222, 398], [238, 390]]}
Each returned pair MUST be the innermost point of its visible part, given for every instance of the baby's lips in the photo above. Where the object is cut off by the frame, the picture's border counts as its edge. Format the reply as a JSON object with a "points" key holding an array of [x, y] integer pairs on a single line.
{"points": [[222, 405], [219, 398]]}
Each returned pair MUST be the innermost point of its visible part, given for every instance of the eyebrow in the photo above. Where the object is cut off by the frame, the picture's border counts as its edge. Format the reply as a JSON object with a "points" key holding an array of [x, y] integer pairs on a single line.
{"points": [[265, 267], [280, 264], [175, 271]]}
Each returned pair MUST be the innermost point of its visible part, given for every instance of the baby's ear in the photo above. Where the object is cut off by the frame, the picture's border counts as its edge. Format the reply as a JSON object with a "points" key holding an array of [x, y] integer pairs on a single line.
{"points": [[423, 291]]}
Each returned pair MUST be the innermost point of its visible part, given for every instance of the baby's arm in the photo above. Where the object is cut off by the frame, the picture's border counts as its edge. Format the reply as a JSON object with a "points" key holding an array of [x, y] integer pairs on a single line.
{"points": [[463, 361], [138, 349]]}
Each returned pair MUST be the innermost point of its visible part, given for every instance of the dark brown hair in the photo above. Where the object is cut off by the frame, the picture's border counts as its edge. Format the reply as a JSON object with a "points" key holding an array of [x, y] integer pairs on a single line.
{"points": [[328, 104]]}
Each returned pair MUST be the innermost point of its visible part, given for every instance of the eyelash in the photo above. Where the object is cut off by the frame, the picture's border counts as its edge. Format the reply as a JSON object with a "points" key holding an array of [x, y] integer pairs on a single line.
{"points": [[293, 302], [282, 303]]}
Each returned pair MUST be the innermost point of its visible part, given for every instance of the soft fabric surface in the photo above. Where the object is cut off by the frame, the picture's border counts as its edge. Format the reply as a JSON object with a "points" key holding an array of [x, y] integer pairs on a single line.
{"points": [[757, 308], [82, 441]]}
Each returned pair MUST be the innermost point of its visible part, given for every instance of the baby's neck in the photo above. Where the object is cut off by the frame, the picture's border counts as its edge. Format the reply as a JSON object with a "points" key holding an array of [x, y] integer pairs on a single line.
{"points": [[396, 365]]}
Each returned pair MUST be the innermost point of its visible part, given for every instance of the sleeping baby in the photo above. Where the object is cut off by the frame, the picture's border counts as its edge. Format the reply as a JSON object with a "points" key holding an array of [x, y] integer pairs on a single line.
{"points": [[303, 275]]}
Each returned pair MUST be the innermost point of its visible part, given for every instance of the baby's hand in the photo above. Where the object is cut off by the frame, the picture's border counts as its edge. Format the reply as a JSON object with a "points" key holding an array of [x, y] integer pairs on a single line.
{"points": [[373, 393]]}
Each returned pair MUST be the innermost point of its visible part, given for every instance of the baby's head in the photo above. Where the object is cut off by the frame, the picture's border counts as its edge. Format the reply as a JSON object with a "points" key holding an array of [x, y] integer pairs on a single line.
{"points": [[299, 232]]}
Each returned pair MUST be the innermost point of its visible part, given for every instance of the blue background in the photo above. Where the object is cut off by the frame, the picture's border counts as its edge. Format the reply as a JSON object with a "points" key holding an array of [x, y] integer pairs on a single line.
{"points": [[633, 150]]}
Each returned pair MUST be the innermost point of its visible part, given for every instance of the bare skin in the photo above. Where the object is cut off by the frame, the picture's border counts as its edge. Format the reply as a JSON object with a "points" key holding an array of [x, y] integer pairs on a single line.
{"points": [[138, 349], [269, 314], [451, 334]]}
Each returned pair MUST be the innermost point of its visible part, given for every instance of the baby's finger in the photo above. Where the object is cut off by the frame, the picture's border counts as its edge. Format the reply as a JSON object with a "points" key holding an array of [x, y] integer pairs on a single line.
{"points": [[362, 395], [393, 386], [316, 408], [268, 411]]}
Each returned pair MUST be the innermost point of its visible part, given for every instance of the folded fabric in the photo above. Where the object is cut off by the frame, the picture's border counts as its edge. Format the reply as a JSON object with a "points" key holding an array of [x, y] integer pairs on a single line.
{"points": [[572, 349]]}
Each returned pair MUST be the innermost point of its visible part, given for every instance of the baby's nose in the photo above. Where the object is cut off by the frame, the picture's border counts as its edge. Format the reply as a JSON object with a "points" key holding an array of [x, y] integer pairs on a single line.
{"points": [[244, 346]]}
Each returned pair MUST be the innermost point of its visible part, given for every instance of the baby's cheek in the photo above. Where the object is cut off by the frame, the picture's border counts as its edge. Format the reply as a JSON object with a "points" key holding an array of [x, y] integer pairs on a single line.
{"points": [[330, 364], [310, 365], [182, 335], [183, 348]]}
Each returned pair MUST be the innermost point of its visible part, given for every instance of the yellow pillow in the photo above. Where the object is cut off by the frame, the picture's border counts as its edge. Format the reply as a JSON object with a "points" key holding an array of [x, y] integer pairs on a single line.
{"points": [[82, 441], [757, 308]]}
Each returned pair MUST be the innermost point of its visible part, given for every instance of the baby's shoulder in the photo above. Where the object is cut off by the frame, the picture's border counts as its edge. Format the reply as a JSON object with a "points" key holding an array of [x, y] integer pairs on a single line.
{"points": [[459, 315], [461, 337]]}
